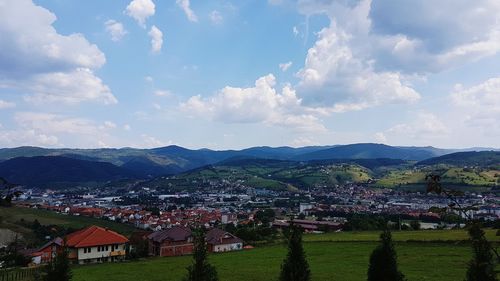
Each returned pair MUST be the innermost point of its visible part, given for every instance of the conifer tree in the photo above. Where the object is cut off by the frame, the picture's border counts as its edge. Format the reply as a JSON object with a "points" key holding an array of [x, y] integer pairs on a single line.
{"points": [[200, 269], [481, 267], [58, 268], [383, 261], [295, 266]]}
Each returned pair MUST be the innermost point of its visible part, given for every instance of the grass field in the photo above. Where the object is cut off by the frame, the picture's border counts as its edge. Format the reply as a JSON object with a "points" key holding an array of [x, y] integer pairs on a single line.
{"points": [[347, 261], [12, 215], [401, 236]]}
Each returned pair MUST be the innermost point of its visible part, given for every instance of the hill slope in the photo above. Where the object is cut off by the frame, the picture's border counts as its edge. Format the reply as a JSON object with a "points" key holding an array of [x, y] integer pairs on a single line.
{"points": [[370, 151], [474, 158], [43, 170]]}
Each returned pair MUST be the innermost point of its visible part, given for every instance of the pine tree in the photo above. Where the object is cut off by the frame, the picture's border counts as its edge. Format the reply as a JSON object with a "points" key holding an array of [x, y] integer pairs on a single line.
{"points": [[200, 269], [295, 266], [383, 261], [59, 268], [481, 267]]}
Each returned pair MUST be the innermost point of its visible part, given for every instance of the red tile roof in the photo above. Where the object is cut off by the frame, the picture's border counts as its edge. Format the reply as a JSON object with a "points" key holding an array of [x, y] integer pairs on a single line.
{"points": [[94, 236]]}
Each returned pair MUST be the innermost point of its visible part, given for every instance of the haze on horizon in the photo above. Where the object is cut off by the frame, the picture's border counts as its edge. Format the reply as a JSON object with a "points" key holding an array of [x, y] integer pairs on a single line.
{"points": [[236, 74]]}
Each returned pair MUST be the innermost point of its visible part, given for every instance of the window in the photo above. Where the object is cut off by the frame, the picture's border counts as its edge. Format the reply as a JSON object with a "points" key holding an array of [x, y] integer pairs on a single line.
{"points": [[107, 249]]}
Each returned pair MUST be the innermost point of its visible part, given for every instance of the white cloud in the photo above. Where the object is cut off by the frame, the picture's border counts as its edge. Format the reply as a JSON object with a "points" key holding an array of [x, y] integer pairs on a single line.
{"points": [[425, 129], [380, 137], [108, 125], [127, 127], [162, 93], [295, 31], [480, 105], [285, 66], [186, 7], [334, 77], [6, 104], [216, 17], [258, 104], [414, 36], [69, 87], [33, 56], [303, 141], [17, 138], [140, 10], [156, 39], [152, 142], [115, 29]]}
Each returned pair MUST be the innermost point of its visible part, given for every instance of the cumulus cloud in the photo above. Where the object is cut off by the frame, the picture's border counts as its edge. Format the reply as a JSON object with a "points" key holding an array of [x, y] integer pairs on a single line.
{"points": [[480, 105], [335, 77], [152, 142], [115, 29], [285, 66], [259, 104], [33, 55], [415, 36], [156, 39], [6, 104], [185, 5], [162, 93], [425, 129], [69, 87], [216, 17], [140, 10]]}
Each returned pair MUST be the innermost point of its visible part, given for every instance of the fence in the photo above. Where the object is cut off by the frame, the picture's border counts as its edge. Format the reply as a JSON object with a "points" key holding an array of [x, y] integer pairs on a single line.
{"points": [[22, 274]]}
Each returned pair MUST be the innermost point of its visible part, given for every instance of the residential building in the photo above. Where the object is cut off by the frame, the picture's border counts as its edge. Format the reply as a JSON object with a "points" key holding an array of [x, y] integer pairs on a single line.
{"points": [[222, 241], [175, 241]]}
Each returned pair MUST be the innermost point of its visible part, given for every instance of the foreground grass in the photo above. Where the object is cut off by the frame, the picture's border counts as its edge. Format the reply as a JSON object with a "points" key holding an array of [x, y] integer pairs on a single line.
{"points": [[11, 217], [402, 236], [346, 261]]}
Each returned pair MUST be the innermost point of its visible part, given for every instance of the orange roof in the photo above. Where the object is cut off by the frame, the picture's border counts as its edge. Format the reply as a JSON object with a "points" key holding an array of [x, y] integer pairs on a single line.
{"points": [[94, 236]]}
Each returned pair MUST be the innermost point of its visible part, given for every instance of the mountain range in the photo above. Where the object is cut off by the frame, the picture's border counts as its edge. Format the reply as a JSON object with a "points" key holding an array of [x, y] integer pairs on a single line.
{"points": [[36, 165]]}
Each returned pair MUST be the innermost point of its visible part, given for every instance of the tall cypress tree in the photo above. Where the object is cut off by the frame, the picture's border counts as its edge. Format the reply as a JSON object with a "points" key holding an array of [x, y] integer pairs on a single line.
{"points": [[481, 267], [295, 266], [200, 269], [383, 261], [59, 268]]}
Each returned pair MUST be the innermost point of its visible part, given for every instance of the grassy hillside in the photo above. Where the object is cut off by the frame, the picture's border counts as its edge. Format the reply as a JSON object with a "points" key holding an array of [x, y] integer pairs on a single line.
{"points": [[11, 217], [472, 158], [347, 261], [269, 174], [450, 176]]}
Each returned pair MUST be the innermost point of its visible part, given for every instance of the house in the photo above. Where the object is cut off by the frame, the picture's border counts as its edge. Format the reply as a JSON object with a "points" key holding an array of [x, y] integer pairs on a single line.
{"points": [[48, 251], [222, 241], [178, 241], [175, 241], [96, 244]]}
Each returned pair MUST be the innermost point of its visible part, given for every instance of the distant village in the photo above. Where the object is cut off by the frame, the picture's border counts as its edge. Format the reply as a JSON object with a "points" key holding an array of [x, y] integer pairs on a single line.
{"points": [[165, 220]]}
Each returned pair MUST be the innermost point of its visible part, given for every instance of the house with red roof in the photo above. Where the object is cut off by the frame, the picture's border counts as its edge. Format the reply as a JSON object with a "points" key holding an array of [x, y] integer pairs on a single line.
{"points": [[96, 244]]}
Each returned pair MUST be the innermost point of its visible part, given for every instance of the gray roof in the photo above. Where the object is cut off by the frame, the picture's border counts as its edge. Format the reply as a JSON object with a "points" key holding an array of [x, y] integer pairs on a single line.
{"points": [[176, 233]]}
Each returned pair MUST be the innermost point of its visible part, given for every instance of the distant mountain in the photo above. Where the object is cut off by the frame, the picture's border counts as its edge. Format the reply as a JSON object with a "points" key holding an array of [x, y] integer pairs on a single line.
{"points": [[42, 170], [146, 163], [371, 151], [474, 158]]}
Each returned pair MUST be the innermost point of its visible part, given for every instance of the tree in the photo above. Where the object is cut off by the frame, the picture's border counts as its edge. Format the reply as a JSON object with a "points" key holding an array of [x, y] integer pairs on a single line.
{"points": [[383, 261], [58, 268], [295, 266], [481, 267], [200, 269]]}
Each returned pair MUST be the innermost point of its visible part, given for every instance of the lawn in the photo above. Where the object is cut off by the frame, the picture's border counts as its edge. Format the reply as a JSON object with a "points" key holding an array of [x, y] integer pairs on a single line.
{"points": [[402, 236], [346, 261]]}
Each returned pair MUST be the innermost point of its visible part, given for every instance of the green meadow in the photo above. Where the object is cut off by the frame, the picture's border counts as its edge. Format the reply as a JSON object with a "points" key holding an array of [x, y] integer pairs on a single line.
{"points": [[346, 261]]}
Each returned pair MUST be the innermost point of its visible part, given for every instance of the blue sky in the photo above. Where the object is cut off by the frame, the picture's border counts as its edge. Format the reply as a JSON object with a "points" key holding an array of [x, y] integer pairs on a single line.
{"points": [[232, 74]]}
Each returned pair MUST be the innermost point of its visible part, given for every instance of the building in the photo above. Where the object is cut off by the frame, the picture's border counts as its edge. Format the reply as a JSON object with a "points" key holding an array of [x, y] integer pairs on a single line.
{"points": [[96, 244], [222, 241], [178, 241], [175, 241], [48, 251]]}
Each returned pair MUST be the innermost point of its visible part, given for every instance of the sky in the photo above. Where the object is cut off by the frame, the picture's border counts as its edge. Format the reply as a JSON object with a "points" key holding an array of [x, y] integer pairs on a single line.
{"points": [[226, 74]]}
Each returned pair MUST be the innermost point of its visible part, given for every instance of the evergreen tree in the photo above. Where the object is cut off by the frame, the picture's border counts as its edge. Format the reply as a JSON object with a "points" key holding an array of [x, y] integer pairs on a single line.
{"points": [[295, 266], [383, 261], [58, 268], [200, 269], [481, 267]]}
